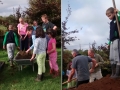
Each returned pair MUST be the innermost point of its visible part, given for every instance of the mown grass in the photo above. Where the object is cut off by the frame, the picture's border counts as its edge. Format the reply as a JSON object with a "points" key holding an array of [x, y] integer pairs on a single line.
{"points": [[12, 79]]}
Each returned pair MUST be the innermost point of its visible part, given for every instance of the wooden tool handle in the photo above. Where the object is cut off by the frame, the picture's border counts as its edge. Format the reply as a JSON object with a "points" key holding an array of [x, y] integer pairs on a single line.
{"points": [[116, 18], [68, 82]]}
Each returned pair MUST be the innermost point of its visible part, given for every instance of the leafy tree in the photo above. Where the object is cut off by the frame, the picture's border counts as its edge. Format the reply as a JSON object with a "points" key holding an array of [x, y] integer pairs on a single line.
{"points": [[13, 18], [66, 38], [1, 2], [50, 7], [18, 13]]}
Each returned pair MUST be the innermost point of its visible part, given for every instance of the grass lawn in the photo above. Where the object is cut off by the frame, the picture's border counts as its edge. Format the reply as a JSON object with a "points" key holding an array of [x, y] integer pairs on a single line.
{"points": [[12, 79]]}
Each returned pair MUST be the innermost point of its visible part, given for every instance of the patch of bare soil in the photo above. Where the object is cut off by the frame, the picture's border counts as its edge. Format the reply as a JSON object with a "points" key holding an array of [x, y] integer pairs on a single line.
{"points": [[106, 83]]}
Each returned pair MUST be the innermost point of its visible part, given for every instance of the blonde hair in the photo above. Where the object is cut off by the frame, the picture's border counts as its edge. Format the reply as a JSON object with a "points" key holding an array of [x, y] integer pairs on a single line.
{"points": [[21, 18]]}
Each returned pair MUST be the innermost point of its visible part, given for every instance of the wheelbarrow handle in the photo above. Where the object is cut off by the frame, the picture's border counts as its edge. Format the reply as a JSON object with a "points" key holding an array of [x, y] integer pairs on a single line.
{"points": [[68, 82]]}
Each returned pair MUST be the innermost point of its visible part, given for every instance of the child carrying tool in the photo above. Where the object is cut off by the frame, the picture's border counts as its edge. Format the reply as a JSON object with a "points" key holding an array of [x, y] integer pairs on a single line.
{"points": [[73, 82], [114, 42]]}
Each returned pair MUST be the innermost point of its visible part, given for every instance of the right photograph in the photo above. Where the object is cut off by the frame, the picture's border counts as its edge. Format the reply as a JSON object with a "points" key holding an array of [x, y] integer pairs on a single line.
{"points": [[90, 44]]}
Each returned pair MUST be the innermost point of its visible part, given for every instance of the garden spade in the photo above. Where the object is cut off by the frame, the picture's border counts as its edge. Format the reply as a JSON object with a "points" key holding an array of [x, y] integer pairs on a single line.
{"points": [[116, 18], [68, 82]]}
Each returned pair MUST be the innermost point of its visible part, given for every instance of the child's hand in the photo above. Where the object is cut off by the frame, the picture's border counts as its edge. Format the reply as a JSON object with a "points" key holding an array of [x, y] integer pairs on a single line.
{"points": [[32, 58], [108, 46], [48, 52], [3, 47], [69, 80], [116, 10], [18, 48], [23, 38], [27, 51], [20, 37]]}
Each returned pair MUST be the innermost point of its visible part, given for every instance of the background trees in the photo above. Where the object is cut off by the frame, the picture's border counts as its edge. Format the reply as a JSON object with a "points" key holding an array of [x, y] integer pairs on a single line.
{"points": [[36, 8], [66, 38]]}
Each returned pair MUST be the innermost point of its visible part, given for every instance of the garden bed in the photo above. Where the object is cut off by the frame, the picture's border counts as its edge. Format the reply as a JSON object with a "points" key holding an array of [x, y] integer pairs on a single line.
{"points": [[106, 83]]}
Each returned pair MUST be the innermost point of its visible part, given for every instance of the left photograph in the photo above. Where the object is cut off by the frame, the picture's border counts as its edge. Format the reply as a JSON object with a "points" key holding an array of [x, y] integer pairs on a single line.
{"points": [[30, 45]]}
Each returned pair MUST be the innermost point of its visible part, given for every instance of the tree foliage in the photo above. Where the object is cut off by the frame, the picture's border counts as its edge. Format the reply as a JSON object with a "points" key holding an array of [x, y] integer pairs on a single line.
{"points": [[50, 7], [36, 8], [18, 13], [13, 18], [66, 38], [1, 2], [102, 50]]}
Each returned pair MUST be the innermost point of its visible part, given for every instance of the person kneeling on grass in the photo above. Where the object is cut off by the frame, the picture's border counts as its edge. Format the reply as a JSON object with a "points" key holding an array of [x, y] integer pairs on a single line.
{"points": [[51, 51], [10, 39], [39, 50], [73, 82]]}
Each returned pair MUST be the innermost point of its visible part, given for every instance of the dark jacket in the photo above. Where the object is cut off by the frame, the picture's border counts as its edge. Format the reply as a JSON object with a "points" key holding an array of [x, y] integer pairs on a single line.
{"points": [[113, 30]]}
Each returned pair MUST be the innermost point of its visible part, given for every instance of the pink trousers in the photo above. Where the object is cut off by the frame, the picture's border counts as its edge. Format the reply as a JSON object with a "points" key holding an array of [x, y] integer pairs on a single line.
{"points": [[53, 61]]}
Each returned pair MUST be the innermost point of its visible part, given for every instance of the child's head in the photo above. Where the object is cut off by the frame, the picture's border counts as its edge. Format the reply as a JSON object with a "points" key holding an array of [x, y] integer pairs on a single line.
{"points": [[21, 20], [44, 18], [40, 32], [110, 12], [51, 33], [11, 27], [69, 66], [35, 23], [29, 30]]}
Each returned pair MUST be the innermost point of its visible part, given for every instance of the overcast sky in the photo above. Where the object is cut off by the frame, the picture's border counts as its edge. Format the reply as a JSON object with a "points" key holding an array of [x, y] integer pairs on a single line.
{"points": [[7, 7], [89, 14]]}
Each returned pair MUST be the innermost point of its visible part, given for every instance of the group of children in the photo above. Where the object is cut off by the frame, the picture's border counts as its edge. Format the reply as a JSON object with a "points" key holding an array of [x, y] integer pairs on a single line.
{"points": [[43, 43]]}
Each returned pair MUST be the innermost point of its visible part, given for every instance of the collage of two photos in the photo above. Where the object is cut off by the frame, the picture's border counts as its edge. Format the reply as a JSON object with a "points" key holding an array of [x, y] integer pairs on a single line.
{"points": [[59, 44], [91, 54], [30, 44]]}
